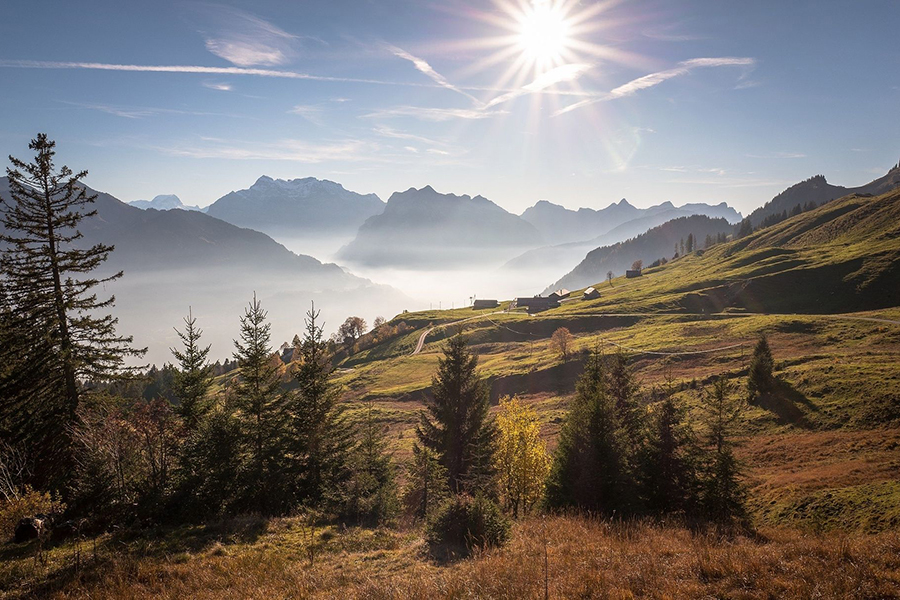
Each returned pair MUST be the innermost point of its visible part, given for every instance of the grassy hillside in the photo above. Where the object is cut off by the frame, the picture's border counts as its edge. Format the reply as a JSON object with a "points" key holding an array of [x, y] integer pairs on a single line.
{"points": [[823, 286]]}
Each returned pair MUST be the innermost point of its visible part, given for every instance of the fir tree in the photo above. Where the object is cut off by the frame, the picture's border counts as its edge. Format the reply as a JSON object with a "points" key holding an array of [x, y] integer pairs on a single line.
{"points": [[670, 460], [426, 483], [723, 492], [761, 379], [261, 402], [192, 381], [54, 294], [455, 424], [320, 438], [589, 468], [370, 495]]}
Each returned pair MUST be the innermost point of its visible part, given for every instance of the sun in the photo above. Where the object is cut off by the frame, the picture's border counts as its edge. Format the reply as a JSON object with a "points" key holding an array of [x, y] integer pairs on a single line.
{"points": [[543, 33]]}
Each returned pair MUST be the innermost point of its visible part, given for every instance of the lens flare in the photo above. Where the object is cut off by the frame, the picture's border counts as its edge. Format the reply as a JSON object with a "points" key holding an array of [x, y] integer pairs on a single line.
{"points": [[544, 33]]}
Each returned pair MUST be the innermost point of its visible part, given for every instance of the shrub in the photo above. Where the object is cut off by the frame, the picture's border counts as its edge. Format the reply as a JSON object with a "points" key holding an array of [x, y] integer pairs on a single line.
{"points": [[464, 522], [26, 504]]}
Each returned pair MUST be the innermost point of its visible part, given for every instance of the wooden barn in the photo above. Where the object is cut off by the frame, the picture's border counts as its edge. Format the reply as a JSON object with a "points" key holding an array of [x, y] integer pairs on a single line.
{"points": [[632, 273], [483, 304], [536, 303], [559, 294], [591, 294]]}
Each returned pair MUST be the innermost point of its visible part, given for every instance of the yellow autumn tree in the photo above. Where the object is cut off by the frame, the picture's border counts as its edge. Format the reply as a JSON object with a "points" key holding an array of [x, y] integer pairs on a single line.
{"points": [[522, 460]]}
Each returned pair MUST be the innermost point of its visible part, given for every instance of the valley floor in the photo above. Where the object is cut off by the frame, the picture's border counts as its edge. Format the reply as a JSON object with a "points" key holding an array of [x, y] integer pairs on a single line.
{"points": [[564, 557]]}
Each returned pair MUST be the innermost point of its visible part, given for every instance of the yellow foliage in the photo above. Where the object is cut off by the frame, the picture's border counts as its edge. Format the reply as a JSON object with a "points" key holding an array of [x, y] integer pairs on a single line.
{"points": [[26, 504], [521, 459]]}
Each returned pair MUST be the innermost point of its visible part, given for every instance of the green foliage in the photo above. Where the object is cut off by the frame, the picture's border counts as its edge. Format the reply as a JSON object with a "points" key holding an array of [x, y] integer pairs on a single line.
{"points": [[370, 494], [761, 379], [455, 424], [724, 495], [50, 295], [319, 439], [262, 413], [193, 379], [464, 523], [591, 466], [426, 483], [670, 479]]}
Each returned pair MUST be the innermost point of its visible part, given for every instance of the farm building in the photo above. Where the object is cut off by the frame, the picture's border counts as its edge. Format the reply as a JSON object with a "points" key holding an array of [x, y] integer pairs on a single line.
{"points": [[537, 303], [482, 304], [559, 294], [591, 294], [632, 273]]}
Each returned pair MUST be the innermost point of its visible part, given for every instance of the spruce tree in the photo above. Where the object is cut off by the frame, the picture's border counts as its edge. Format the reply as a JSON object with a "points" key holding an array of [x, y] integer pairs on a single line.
{"points": [[723, 492], [455, 423], [589, 465], [52, 295], [260, 400], [320, 438], [670, 480], [193, 379], [761, 379], [370, 494]]}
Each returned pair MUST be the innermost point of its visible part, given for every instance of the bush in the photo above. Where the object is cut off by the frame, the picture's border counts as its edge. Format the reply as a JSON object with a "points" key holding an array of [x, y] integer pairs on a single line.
{"points": [[26, 504], [464, 522]]}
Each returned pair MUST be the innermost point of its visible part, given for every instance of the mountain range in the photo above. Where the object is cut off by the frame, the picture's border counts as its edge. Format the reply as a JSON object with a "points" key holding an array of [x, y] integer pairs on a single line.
{"points": [[421, 227], [560, 225], [175, 259], [164, 202], [297, 207]]}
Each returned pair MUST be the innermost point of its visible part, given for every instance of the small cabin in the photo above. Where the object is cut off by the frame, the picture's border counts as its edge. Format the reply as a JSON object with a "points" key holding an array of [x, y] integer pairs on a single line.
{"points": [[632, 273], [559, 294], [483, 304], [591, 294], [536, 303]]}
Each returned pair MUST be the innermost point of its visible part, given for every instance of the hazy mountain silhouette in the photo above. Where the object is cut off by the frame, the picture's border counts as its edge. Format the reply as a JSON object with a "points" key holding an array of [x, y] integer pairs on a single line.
{"points": [[422, 227], [174, 259], [164, 202], [656, 243], [561, 225], [295, 207]]}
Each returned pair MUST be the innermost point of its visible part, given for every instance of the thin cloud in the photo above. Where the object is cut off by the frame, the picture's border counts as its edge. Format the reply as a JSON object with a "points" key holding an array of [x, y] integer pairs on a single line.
{"points": [[287, 150], [654, 79], [140, 112], [435, 114], [563, 73], [221, 87], [428, 70], [390, 132], [248, 41], [313, 114]]}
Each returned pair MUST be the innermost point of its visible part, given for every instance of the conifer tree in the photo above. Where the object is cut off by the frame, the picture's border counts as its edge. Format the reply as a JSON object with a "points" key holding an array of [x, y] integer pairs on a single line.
{"points": [[589, 469], [371, 492], [48, 280], [723, 493], [192, 380], [761, 379], [320, 439], [426, 483], [261, 402], [455, 424], [670, 479]]}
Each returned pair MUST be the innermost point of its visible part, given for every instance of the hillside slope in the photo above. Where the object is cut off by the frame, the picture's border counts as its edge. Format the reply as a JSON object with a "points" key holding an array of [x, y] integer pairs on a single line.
{"points": [[656, 243]]}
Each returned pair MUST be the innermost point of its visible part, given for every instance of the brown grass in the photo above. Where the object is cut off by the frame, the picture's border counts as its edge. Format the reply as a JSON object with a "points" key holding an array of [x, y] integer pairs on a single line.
{"points": [[586, 558]]}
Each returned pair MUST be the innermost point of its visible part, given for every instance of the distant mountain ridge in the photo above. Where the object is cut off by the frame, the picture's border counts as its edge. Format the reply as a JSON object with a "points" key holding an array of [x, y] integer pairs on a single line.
{"points": [[656, 243], [164, 202], [420, 227], [174, 259], [817, 189], [297, 207], [561, 225]]}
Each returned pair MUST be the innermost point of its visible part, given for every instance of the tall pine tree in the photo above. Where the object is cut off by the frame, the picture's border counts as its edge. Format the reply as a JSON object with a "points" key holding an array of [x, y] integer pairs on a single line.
{"points": [[455, 423], [48, 281], [193, 379], [319, 437], [261, 402]]}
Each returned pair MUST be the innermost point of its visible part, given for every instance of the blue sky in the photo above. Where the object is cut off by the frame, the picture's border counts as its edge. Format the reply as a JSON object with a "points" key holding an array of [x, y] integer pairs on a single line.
{"points": [[700, 100]]}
